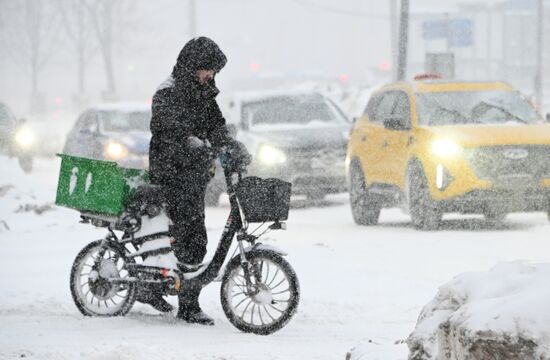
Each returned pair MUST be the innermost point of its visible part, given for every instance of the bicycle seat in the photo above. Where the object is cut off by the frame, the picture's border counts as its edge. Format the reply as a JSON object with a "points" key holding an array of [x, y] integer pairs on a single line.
{"points": [[148, 199], [150, 192]]}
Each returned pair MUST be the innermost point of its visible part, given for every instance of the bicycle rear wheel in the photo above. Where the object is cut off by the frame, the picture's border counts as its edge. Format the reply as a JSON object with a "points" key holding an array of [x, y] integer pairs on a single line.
{"points": [[92, 287]]}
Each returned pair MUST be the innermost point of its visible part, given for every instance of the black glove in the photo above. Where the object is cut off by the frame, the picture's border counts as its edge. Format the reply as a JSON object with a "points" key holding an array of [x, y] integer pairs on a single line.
{"points": [[199, 151], [236, 157]]}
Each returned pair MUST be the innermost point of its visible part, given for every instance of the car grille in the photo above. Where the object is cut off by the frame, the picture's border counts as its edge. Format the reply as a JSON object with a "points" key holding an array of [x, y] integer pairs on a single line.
{"points": [[511, 165], [310, 158]]}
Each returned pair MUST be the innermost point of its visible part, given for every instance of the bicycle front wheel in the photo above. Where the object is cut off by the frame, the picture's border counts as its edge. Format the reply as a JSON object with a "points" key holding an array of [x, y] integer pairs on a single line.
{"points": [[266, 302]]}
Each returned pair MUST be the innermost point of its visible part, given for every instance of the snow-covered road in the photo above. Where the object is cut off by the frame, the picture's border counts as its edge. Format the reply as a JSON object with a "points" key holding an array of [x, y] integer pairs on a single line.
{"points": [[358, 283]]}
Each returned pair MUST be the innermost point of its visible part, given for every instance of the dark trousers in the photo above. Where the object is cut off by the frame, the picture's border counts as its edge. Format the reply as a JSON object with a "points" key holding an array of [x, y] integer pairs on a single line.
{"points": [[185, 206]]}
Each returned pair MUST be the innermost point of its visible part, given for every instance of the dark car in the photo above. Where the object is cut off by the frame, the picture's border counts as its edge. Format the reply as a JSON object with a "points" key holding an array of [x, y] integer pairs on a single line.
{"points": [[117, 132], [16, 138], [299, 137], [120, 132], [7, 127]]}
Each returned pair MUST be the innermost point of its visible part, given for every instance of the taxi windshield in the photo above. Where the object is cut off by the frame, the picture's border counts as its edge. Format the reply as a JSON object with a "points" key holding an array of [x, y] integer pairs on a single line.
{"points": [[475, 107]]}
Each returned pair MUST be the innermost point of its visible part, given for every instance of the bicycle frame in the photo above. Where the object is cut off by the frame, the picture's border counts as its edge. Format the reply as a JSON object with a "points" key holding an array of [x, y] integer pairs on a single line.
{"points": [[233, 224], [203, 276]]}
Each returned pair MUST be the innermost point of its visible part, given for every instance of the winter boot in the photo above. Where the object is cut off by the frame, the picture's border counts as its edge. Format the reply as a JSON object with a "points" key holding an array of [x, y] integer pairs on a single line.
{"points": [[154, 298], [189, 309], [161, 305], [195, 317]]}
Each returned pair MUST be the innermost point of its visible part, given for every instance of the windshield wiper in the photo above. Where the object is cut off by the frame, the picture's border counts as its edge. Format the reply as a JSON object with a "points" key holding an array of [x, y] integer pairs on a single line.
{"points": [[457, 114], [505, 111]]}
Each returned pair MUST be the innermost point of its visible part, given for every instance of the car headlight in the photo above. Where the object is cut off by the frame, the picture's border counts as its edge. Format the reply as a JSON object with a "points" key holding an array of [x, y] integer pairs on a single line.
{"points": [[24, 137], [270, 155], [115, 150], [446, 148]]}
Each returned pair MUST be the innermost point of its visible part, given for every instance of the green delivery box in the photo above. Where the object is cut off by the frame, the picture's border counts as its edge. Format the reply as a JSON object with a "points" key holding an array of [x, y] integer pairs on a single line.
{"points": [[96, 186]]}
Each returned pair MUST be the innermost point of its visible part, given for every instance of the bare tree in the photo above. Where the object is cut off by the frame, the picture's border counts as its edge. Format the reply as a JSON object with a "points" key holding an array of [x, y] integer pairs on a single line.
{"points": [[29, 36], [78, 26], [108, 17]]}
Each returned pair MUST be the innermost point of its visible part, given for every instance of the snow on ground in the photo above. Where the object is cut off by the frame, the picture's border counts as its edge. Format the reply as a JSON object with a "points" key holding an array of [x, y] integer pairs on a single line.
{"points": [[358, 284]]}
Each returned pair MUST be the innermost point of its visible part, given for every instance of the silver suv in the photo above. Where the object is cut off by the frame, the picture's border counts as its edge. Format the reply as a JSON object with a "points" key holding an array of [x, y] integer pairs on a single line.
{"points": [[300, 137]]}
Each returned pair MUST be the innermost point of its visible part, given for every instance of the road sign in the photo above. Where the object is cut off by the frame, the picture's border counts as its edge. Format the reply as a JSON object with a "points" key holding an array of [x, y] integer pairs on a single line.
{"points": [[458, 32], [434, 29]]}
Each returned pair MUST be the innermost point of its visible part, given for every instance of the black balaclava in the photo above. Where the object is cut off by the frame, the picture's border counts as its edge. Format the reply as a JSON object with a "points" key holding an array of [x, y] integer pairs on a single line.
{"points": [[199, 53]]}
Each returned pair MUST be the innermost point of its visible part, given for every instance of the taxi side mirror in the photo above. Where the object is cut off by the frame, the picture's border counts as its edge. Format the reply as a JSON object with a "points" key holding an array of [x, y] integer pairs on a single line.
{"points": [[548, 117], [395, 123]]}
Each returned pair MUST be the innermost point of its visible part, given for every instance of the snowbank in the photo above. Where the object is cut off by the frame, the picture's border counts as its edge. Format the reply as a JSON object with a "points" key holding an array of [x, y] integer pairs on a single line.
{"points": [[378, 350], [27, 200], [500, 314]]}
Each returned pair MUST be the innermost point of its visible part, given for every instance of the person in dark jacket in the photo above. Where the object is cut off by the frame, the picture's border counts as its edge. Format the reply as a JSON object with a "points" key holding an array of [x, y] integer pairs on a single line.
{"points": [[187, 129]]}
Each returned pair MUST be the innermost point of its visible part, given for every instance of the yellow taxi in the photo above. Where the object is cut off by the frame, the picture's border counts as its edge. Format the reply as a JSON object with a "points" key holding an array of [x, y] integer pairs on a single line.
{"points": [[433, 146]]}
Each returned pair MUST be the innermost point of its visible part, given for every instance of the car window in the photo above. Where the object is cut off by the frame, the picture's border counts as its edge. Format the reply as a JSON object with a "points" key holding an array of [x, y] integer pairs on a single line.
{"points": [[244, 120], [303, 110], [401, 108], [78, 124], [385, 108], [6, 117], [372, 105], [123, 121], [475, 107], [87, 121]]}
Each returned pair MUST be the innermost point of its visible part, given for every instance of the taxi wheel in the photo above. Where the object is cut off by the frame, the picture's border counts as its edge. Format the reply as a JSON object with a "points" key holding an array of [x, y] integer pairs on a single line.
{"points": [[364, 207], [494, 217], [425, 214]]}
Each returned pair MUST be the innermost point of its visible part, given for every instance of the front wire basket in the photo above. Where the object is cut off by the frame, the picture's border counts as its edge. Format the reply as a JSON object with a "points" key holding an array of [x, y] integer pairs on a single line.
{"points": [[264, 200]]}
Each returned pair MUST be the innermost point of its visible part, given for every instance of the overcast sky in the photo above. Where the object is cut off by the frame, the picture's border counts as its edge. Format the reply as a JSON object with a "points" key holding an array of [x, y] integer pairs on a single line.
{"points": [[326, 38]]}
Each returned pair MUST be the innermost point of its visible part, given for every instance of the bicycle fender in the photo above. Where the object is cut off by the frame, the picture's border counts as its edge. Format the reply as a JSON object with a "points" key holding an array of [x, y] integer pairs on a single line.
{"points": [[257, 246], [260, 246]]}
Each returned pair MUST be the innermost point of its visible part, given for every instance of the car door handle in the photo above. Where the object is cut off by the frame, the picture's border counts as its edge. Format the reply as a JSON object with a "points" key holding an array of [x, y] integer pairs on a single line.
{"points": [[410, 141], [385, 144], [364, 138]]}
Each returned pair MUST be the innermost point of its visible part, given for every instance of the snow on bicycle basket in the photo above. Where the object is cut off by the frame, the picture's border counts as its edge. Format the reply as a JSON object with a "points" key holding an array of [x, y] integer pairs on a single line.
{"points": [[264, 200]]}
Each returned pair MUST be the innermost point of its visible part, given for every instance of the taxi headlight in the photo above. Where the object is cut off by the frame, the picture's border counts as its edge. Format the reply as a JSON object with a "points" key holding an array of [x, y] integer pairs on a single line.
{"points": [[115, 150], [270, 155], [446, 148], [24, 137]]}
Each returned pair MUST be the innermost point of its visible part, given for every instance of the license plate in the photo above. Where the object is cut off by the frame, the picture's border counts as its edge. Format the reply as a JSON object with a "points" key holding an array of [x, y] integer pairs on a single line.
{"points": [[515, 181]]}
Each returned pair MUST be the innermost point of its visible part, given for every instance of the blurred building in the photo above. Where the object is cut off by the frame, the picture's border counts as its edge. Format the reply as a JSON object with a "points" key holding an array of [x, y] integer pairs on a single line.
{"points": [[489, 40]]}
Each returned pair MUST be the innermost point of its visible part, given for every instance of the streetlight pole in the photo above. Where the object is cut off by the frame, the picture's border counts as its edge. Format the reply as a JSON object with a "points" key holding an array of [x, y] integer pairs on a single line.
{"points": [[538, 75], [192, 19], [393, 37], [403, 40]]}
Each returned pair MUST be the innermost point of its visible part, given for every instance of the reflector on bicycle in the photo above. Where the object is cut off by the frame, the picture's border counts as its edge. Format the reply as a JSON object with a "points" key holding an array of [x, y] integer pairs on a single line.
{"points": [[264, 200]]}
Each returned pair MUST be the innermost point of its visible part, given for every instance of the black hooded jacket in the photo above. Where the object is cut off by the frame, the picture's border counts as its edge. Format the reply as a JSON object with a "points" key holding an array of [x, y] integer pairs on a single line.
{"points": [[184, 110]]}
